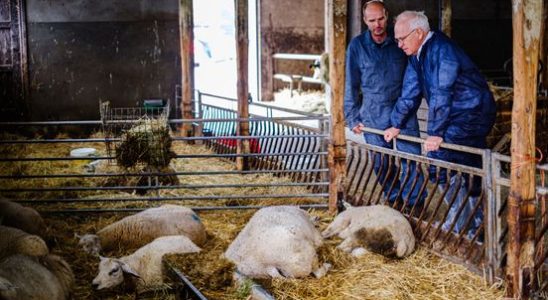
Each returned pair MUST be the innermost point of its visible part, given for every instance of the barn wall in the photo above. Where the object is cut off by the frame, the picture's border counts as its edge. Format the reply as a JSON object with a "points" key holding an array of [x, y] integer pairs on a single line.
{"points": [[83, 51], [289, 26]]}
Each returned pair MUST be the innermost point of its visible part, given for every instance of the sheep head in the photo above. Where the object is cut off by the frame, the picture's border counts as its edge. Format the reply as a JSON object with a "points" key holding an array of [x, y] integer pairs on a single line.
{"points": [[7, 289], [90, 243], [111, 273]]}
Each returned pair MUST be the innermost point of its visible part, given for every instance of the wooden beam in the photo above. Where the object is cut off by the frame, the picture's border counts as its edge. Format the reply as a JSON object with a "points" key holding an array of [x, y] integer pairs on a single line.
{"points": [[242, 43], [267, 51], [544, 47], [337, 11], [526, 24], [446, 16], [186, 28]]}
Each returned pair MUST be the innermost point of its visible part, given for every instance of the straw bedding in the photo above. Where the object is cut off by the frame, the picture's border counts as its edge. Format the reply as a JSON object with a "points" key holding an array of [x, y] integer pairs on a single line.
{"points": [[420, 276]]}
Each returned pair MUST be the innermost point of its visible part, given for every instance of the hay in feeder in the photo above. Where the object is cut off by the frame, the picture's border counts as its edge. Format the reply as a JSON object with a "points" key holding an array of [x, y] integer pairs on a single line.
{"points": [[148, 143]]}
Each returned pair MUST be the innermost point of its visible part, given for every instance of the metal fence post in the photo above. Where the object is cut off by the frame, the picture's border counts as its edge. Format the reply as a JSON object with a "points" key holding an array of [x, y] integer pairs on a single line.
{"points": [[491, 209], [199, 115]]}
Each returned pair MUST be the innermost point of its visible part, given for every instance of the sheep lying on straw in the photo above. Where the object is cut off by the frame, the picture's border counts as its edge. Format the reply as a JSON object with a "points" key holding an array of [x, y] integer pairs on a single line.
{"points": [[144, 265], [16, 241], [277, 241], [24, 277], [378, 228], [139, 229], [25, 218]]}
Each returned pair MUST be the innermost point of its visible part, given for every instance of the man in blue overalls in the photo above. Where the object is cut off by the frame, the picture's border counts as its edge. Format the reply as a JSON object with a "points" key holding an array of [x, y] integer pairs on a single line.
{"points": [[374, 74], [461, 110]]}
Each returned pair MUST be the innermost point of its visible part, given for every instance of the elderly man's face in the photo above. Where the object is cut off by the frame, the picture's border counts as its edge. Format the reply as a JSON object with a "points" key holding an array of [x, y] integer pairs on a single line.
{"points": [[375, 17], [408, 40]]}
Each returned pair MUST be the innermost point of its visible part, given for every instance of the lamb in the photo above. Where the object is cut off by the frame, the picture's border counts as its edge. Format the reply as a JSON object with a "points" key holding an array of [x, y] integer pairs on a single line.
{"points": [[277, 241], [139, 229], [16, 241], [25, 218], [378, 228], [144, 265], [24, 277]]}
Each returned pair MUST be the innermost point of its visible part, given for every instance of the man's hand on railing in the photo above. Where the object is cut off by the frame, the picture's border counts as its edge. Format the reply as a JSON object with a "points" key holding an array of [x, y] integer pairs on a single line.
{"points": [[391, 133], [358, 128], [432, 143]]}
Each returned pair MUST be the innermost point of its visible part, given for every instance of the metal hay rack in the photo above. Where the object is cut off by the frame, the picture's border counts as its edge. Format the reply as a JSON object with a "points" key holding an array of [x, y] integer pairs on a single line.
{"points": [[137, 136]]}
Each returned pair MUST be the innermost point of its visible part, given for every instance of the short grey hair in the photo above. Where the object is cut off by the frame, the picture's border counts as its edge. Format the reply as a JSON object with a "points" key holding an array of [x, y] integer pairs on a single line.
{"points": [[416, 19]]}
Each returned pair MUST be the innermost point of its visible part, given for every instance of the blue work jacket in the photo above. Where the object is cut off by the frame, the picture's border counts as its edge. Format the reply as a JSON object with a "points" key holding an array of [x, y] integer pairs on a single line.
{"points": [[374, 74], [461, 109]]}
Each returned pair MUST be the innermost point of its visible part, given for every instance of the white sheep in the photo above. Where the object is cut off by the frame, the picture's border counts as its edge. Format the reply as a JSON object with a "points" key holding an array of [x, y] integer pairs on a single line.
{"points": [[144, 266], [25, 218], [16, 241], [139, 229], [24, 277], [378, 228], [277, 241]]}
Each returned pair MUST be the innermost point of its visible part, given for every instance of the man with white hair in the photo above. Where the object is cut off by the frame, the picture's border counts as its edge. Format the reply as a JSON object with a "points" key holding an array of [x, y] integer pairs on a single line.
{"points": [[374, 73], [461, 109]]}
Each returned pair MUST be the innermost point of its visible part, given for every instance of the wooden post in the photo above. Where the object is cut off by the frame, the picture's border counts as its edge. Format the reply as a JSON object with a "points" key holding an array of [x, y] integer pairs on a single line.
{"points": [[355, 19], [526, 23], [337, 11], [544, 47], [242, 42], [186, 27], [446, 16], [267, 50]]}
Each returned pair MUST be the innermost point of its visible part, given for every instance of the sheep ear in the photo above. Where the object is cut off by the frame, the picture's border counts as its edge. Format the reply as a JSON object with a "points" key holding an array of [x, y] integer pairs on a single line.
{"points": [[347, 205], [76, 235], [101, 257], [128, 270]]}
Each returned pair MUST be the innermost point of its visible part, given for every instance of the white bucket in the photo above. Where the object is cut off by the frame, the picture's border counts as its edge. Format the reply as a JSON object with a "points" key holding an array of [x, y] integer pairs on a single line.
{"points": [[83, 152]]}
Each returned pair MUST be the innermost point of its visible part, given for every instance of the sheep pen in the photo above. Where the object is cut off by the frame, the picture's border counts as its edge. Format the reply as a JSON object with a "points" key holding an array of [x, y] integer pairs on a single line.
{"points": [[422, 275]]}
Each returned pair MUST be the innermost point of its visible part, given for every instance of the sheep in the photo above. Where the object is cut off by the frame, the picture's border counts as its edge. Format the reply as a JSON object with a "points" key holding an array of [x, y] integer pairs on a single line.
{"points": [[24, 277], [278, 241], [16, 241], [378, 228], [25, 218], [7, 289], [321, 68], [144, 266], [139, 229]]}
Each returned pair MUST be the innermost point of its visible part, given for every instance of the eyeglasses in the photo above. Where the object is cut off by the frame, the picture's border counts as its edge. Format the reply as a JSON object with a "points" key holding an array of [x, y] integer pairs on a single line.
{"points": [[402, 39]]}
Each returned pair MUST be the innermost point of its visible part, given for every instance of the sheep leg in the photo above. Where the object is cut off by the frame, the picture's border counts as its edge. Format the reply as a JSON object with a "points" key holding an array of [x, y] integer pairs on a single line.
{"points": [[359, 252], [321, 271], [346, 233], [401, 249], [340, 223], [273, 272], [347, 245]]}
